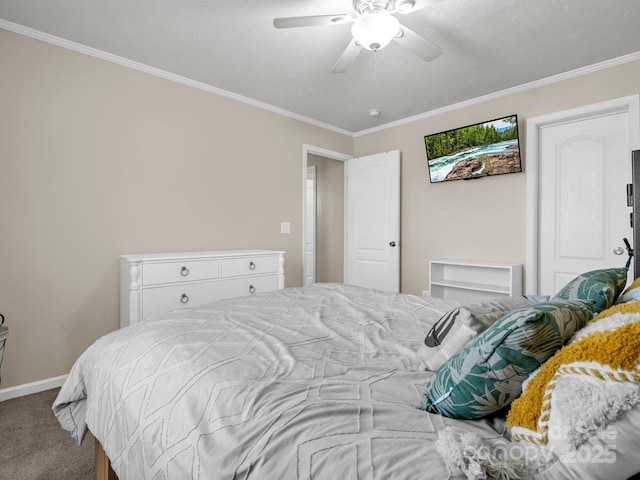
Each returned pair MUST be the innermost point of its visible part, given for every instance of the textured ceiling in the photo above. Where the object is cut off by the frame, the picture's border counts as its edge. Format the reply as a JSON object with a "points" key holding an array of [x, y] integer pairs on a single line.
{"points": [[489, 46]]}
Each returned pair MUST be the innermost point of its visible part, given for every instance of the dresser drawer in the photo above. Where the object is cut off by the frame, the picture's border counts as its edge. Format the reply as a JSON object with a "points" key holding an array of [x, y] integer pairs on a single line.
{"points": [[238, 287], [183, 271], [235, 267], [163, 299]]}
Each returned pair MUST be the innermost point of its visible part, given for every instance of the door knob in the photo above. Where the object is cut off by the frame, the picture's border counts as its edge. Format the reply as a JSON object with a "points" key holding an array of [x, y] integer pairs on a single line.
{"points": [[618, 250], [392, 244]]}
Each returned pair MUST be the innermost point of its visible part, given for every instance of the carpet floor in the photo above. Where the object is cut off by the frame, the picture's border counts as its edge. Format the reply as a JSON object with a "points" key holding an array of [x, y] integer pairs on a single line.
{"points": [[33, 445]]}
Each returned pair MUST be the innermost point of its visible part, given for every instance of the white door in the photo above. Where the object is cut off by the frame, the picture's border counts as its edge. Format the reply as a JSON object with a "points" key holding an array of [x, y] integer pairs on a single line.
{"points": [[310, 228], [585, 165], [372, 246]]}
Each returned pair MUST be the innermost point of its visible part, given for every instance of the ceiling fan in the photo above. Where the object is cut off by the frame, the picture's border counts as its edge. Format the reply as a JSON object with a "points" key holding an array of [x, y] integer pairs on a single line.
{"points": [[374, 26]]}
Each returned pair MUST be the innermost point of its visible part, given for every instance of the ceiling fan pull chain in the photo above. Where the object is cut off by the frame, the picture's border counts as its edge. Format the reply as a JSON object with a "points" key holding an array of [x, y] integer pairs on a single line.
{"points": [[375, 66]]}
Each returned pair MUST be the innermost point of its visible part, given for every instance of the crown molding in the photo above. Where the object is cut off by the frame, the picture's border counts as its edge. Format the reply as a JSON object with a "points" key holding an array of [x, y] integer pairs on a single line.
{"points": [[632, 57], [94, 52], [141, 67]]}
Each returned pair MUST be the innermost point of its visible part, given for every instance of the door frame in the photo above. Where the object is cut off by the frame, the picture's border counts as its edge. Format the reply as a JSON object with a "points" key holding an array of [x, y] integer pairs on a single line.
{"points": [[629, 104], [322, 152], [310, 215]]}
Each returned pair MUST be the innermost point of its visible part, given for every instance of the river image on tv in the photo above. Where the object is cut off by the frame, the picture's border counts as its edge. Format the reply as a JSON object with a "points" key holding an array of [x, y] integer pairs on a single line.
{"points": [[474, 151]]}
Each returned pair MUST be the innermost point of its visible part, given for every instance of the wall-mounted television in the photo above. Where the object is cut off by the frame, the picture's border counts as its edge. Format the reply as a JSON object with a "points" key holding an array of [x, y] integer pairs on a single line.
{"points": [[475, 151]]}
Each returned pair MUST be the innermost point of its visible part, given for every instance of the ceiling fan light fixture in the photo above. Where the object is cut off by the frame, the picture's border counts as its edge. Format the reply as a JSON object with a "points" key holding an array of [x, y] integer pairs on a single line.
{"points": [[375, 30]]}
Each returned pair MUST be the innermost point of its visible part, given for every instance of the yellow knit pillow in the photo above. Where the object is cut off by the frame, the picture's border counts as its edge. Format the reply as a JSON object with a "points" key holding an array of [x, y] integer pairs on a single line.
{"points": [[609, 355]]}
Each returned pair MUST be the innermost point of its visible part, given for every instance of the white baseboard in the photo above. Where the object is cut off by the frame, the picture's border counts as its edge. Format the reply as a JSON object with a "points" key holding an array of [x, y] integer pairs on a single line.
{"points": [[33, 387]]}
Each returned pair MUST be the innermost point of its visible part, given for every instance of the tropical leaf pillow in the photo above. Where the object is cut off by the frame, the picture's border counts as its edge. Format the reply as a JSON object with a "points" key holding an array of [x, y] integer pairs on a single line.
{"points": [[487, 373], [601, 286]]}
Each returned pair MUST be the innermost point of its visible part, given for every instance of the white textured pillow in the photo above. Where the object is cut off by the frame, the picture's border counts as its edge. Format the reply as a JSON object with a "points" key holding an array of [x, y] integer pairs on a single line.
{"points": [[459, 326]]}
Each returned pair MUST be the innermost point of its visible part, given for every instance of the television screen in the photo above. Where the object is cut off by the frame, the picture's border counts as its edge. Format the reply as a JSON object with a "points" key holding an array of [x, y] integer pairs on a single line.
{"points": [[475, 151]]}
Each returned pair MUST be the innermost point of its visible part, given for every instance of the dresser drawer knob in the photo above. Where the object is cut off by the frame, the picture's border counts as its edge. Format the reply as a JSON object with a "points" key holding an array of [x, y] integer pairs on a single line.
{"points": [[252, 289], [184, 298], [252, 266], [184, 271]]}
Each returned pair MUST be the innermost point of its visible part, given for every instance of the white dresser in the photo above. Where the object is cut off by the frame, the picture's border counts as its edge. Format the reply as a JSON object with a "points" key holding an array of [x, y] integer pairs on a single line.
{"points": [[156, 283]]}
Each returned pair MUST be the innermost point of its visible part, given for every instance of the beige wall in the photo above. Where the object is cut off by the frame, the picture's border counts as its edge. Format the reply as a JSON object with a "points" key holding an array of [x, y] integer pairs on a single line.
{"points": [[481, 219], [97, 160], [330, 218]]}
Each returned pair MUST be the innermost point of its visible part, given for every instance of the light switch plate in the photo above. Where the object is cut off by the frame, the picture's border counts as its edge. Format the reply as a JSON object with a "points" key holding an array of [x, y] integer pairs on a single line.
{"points": [[285, 227]]}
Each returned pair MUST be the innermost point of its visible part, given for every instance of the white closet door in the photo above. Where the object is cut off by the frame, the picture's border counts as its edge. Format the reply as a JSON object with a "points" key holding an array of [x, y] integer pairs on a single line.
{"points": [[585, 165]]}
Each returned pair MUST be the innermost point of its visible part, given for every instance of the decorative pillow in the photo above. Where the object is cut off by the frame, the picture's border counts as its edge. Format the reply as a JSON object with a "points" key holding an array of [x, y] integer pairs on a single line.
{"points": [[487, 374], [631, 294], [538, 298], [584, 386], [601, 286], [458, 327]]}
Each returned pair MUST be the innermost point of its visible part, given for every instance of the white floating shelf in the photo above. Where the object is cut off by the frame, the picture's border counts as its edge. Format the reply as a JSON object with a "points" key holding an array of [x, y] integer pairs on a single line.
{"points": [[468, 282]]}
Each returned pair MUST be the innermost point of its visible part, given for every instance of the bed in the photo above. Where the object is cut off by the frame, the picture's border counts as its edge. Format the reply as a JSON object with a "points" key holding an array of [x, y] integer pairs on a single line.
{"points": [[307, 378], [335, 381], [318, 382]]}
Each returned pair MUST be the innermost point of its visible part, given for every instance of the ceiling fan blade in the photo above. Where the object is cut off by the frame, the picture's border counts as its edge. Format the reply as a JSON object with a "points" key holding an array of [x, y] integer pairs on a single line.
{"points": [[348, 57], [311, 21], [415, 43]]}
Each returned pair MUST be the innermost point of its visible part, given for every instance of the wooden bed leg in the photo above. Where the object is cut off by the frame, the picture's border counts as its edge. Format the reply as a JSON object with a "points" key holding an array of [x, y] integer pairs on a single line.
{"points": [[103, 465]]}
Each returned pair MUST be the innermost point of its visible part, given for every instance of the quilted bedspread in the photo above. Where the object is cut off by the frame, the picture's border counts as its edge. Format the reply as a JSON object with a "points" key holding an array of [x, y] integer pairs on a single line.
{"points": [[317, 382]]}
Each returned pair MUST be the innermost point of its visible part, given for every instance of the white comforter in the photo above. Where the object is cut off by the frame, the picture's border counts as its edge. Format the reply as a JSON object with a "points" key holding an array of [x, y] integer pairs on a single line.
{"points": [[318, 382]]}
